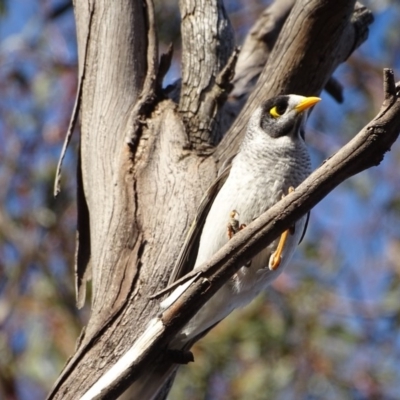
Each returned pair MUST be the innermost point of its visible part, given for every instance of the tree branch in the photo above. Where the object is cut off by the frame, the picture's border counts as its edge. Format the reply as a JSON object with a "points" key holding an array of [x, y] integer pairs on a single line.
{"points": [[252, 58], [142, 108], [324, 28], [258, 45], [74, 115], [263, 35], [120, 70], [207, 44], [367, 149]]}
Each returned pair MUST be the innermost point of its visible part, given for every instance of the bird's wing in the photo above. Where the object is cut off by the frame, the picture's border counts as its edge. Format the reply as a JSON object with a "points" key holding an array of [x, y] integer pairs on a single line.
{"points": [[188, 254]]}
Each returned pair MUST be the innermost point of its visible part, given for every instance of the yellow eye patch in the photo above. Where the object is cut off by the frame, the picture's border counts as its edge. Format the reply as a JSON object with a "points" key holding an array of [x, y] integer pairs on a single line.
{"points": [[274, 112]]}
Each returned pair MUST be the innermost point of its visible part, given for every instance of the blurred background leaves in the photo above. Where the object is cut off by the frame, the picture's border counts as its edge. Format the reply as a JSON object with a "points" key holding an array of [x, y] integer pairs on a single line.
{"points": [[326, 329]]}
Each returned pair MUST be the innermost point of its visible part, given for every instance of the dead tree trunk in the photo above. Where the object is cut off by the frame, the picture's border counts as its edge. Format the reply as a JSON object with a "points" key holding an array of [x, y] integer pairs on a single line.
{"points": [[146, 159]]}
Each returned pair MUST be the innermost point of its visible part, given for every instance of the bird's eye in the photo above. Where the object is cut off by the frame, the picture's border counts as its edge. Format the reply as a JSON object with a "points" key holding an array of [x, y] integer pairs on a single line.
{"points": [[277, 111]]}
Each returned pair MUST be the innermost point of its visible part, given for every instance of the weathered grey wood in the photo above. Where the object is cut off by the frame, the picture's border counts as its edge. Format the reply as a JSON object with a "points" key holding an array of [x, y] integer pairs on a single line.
{"points": [[116, 67], [252, 58], [207, 44], [258, 45], [110, 89], [316, 38], [143, 167]]}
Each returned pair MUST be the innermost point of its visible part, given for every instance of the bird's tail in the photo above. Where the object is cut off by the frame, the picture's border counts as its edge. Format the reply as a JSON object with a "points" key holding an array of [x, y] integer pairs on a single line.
{"points": [[154, 384]]}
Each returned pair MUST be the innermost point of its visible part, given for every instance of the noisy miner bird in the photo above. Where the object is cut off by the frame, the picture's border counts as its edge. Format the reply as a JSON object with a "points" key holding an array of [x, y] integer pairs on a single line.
{"points": [[272, 160]]}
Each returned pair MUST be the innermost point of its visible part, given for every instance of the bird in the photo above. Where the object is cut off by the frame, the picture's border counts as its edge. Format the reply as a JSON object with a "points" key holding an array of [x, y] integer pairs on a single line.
{"points": [[272, 160]]}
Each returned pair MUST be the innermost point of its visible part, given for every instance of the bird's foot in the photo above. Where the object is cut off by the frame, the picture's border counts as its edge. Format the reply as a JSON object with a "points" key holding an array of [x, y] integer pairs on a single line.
{"points": [[234, 225], [276, 257]]}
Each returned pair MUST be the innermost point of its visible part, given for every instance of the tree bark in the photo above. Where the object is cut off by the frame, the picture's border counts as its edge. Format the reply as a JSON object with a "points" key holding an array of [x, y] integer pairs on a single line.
{"points": [[145, 161], [207, 44]]}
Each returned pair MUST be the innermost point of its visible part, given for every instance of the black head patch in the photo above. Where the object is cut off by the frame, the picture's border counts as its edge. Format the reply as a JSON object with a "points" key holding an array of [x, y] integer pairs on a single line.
{"points": [[271, 110]]}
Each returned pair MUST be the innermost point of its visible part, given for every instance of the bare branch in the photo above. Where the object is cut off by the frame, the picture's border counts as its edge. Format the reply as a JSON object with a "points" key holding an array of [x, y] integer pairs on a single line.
{"points": [[258, 45], [74, 115], [120, 76], [389, 85], [207, 44], [367, 149], [144, 105], [254, 55], [313, 27]]}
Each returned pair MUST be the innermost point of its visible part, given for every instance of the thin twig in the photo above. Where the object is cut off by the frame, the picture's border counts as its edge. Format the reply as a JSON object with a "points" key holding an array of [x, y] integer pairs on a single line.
{"points": [[75, 111]]}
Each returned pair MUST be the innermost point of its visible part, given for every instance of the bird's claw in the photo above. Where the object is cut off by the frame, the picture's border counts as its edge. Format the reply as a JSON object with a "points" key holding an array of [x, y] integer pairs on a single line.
{"points": [[233, 224], [290, 190], [234, 227]]}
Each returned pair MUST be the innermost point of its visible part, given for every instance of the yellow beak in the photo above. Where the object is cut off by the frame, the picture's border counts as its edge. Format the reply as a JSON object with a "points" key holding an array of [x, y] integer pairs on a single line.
{"points": [[306, 103]]}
